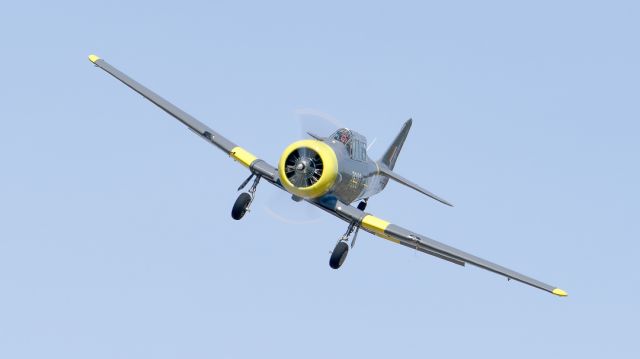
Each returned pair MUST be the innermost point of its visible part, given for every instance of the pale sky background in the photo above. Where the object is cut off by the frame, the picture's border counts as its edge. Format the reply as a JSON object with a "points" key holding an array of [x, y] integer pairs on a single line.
{"points": [[116, 239]]}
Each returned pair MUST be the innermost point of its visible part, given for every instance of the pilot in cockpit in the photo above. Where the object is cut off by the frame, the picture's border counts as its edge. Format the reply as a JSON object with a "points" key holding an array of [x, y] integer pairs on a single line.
{"points": [[343, 135]]}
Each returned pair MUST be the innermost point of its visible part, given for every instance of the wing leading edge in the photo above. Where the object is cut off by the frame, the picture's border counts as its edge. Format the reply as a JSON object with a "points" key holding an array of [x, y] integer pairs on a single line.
{"points": [[236, 152], [407, 238]]}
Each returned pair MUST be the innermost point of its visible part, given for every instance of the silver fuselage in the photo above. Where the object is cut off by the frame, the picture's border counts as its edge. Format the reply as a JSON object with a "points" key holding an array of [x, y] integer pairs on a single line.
{"points": [[357, 178]]}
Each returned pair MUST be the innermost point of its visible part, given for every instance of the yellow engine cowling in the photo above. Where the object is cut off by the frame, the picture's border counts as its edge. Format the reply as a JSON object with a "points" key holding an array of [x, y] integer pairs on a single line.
{"points": [[308, 168]]}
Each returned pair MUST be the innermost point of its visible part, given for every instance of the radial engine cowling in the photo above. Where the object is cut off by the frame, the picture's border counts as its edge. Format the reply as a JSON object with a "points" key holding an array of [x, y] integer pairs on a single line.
{"points": [[308, 168]]}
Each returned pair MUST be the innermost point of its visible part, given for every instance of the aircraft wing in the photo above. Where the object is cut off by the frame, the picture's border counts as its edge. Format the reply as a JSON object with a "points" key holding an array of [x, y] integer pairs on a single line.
{"points": [[236, 152], [405, 237], [369, 223]]}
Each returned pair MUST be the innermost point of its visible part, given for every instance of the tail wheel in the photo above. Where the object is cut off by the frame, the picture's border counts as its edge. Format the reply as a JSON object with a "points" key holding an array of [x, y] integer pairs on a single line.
{"points": [[339, 255], [240, 207]]}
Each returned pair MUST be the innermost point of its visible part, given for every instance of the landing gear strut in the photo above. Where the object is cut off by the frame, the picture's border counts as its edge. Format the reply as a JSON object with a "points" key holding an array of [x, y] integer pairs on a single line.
{"points": [[241, 206], [341, 250]]}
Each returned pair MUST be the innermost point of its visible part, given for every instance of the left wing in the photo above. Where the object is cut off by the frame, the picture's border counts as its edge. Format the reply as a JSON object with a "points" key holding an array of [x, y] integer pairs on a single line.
{"points": [[238, 153], [405, 237]]}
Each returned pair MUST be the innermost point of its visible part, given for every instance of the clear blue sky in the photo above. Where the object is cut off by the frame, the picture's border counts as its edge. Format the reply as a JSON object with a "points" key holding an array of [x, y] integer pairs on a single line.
{"points": [[115, 233]]}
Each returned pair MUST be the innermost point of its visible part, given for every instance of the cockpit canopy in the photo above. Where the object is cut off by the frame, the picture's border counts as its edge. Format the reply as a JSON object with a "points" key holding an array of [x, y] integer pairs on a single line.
{"points": [[356, 143]]}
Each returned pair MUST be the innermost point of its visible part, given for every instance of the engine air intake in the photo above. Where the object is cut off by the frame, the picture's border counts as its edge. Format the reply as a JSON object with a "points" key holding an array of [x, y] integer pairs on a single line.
{"points": [[304, 167], [308, 168]]}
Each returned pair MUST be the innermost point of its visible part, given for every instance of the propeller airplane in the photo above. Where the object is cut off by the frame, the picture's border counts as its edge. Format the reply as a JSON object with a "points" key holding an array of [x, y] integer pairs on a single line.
{"points": [[331, 173]]}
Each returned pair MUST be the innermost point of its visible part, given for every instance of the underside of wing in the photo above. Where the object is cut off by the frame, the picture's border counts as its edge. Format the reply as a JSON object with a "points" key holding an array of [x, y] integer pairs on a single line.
{"points": [[405, 237], [238, 153]]}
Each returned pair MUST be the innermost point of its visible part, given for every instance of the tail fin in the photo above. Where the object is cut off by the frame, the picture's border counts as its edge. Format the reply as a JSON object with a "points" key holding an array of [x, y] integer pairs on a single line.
{"points": [[391, 156]]}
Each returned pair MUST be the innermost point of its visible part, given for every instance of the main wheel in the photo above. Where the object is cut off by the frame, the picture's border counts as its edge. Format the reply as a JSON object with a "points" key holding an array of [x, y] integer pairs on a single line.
{"points": [[339, 255], [241, 205]]}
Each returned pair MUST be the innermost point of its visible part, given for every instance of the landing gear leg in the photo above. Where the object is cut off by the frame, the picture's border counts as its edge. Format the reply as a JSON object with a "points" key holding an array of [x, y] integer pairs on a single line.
{"points": [[361, 206], [341, 250], [241, 206]]}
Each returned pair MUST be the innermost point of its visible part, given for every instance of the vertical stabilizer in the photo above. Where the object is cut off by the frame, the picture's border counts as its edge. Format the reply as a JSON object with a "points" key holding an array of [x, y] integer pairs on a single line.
{"points": [[389, 158]]}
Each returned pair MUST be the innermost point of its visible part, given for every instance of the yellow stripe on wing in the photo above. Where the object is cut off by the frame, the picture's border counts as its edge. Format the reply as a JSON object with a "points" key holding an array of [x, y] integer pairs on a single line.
{"points": [[243, 156], [377, 226]]}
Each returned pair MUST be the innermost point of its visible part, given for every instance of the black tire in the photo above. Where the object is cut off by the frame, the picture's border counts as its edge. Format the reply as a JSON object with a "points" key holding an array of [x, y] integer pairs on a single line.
{"points": [[339, 255], [240, 207]]}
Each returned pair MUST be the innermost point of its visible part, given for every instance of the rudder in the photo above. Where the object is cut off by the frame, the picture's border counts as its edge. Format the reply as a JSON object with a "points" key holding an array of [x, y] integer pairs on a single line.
{"points": [[391, 155]]}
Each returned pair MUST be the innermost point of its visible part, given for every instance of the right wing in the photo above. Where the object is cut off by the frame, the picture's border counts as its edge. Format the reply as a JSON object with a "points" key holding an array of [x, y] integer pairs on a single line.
{"points": [[407, 238], [238, 153]]}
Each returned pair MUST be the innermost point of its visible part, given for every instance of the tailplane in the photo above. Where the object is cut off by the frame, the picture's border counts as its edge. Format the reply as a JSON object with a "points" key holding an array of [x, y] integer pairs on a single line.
{"points": [[396, 177], [388, 162]]}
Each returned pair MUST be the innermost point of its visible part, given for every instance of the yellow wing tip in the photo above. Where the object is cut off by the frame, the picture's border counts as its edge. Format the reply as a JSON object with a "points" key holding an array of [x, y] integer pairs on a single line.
{"points": [[93, 58], [559, 292]]}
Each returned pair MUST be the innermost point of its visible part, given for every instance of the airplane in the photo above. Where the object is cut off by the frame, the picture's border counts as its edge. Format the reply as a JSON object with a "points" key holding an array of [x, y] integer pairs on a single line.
{"points": [[331, 173]]}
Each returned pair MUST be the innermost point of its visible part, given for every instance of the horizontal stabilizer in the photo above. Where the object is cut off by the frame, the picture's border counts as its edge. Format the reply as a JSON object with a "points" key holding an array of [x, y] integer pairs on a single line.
{"points": [[396, 177]]}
